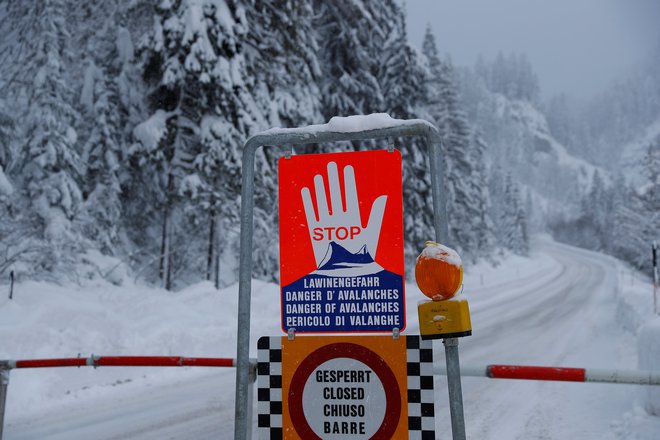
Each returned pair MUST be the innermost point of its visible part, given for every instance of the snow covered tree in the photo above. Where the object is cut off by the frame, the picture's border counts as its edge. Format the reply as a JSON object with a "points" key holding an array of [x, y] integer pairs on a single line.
{"points": [[6, 188], [514, 219], [350, 37], [636, 212], [511, 76], [162, 155], [590, 226], [107, 53], [526, 83], [281, 53], [51, 164], [282, 67], [216, 185], [485, 232], [560, 116], [482, 70], [627, 108], [141, 155], [6, 129], [401, 78], [499, 73], [462, 157], [650, 193], [201, 112], [103, 155], [496, 180], [628, 241], [651, 166]]}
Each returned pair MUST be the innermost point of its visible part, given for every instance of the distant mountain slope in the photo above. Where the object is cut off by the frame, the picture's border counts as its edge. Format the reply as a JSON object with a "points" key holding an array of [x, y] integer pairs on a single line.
{"points": [[521, 145], [544, 150]]}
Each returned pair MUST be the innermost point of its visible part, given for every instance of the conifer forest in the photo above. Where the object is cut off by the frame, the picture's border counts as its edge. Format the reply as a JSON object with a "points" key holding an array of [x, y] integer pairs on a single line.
{"points": [[122, 124]]}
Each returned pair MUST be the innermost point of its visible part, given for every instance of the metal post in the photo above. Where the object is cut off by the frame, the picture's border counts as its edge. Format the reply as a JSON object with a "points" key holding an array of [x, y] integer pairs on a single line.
{"points": [[318, 134], [252, 380], [11, 284], [451, 344], [241, 413], [454, 388], [4, 382], [654, 248], [440, 223]]}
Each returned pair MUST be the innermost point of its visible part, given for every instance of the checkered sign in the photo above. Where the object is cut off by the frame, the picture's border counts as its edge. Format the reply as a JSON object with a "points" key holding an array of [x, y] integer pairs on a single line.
{"points": [[334, 387]]}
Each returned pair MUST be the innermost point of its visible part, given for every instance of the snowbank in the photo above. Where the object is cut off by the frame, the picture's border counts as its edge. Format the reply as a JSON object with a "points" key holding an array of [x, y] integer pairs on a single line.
{"points": [[635, 314], [648, 349], [110, 315], [49, 321], [101, 318], [635, 303]]}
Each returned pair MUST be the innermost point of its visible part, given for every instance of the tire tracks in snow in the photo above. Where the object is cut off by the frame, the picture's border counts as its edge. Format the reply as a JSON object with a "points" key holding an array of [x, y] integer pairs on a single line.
{"points": [[556, 319]]}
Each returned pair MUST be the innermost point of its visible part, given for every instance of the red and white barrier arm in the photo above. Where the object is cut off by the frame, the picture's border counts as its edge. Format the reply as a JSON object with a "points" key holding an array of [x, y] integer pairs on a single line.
{"points": [[520, 372], [637, 377], [121, 361]]}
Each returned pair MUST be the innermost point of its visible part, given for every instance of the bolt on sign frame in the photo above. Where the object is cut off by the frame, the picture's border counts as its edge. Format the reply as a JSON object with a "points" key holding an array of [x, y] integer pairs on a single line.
{"points": [[323, 134]]}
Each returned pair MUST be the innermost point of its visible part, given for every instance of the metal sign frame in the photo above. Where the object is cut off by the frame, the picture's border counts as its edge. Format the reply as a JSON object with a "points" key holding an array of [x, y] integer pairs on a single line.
{"points": [[286, 138]]}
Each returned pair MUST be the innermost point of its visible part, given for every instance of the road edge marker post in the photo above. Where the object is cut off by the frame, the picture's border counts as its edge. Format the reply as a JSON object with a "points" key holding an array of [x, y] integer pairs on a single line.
{"points": [[654, 261], [320, 134]]}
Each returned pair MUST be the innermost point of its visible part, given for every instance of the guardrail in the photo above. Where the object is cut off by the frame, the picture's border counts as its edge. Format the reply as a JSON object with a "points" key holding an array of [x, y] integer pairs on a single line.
{"points": [[520, 372]]}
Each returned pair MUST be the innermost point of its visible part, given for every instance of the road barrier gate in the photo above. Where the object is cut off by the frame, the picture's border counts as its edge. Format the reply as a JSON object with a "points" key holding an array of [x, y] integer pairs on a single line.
{"points": [[286, 139]]}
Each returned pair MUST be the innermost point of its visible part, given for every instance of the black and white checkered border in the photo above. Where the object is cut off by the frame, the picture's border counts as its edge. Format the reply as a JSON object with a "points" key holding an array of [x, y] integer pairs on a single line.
{"points": [[269, 387], [421, 408]]}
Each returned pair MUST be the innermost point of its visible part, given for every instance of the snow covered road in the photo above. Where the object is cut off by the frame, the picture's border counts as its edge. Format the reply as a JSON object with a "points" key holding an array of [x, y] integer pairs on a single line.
{"points": [[556, 309], [561, 317], [197, 408]]}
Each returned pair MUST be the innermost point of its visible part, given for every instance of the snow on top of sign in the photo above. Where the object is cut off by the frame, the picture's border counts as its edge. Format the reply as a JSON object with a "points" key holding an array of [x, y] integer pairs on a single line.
{"points": [[440, 252], [349, 124]]}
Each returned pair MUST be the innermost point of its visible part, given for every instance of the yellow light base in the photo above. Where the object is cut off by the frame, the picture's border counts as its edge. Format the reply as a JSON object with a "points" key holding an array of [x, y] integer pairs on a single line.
{"points": [[444, 319]]}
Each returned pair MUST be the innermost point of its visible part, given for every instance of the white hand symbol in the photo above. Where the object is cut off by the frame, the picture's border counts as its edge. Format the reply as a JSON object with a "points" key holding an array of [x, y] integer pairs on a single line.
{"points": [[343, 226]]}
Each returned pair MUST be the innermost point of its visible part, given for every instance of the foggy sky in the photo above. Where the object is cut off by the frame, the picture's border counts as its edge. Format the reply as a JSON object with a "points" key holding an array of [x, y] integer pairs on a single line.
{"points": [[576, 46]]}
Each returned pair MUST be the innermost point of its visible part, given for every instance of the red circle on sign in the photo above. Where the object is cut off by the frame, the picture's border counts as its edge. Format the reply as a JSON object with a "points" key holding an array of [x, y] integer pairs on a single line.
{"points": [[352, 351]]}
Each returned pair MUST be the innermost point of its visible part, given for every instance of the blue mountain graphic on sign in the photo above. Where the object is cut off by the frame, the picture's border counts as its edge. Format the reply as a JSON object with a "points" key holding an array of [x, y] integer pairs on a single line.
{"points": [[337, 257]]}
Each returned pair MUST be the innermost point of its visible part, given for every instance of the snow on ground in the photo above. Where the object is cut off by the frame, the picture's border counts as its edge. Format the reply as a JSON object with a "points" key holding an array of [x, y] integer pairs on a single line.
{"points": [[564, 315], [635, 313], [633, 153], [562, 306]]}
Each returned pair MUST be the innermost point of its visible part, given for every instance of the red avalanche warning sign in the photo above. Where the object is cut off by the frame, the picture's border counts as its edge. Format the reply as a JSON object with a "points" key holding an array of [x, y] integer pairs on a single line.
{"points": [[341, 242]]}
